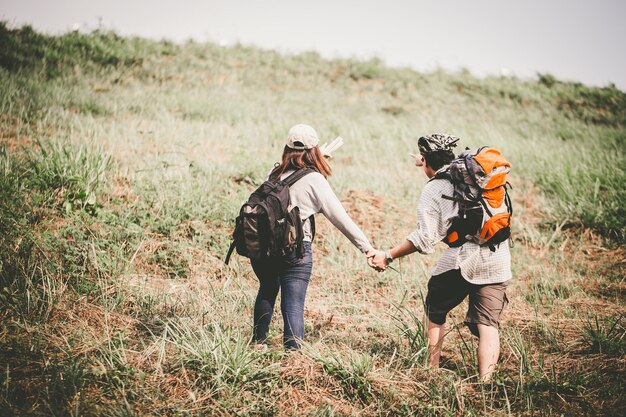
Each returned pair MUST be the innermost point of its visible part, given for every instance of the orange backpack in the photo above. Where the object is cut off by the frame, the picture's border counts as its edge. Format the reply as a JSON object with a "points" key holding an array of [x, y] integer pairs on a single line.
{"points": [[479, 177]]}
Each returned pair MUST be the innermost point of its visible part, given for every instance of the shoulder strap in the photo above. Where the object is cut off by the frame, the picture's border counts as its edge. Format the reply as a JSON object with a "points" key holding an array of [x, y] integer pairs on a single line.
{"points": [[446, 175], [443, 175], [312, 221], [293, 178]]}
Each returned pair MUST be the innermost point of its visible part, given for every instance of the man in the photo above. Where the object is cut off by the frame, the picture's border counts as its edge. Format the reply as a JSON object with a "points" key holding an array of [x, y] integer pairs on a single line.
{"points": [[468, 270]]}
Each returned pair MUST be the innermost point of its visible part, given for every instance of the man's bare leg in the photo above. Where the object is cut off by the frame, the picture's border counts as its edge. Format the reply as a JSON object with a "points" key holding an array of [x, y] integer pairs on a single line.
{"points": [[488, 351], [436, 332]]}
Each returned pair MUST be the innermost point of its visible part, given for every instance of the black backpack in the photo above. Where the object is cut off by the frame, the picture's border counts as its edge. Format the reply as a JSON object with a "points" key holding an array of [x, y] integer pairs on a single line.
{"points": [[265, 226]]}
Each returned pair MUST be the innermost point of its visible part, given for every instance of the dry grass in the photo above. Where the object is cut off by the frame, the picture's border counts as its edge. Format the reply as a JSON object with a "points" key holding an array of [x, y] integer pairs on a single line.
{"points": [[130, 310]]}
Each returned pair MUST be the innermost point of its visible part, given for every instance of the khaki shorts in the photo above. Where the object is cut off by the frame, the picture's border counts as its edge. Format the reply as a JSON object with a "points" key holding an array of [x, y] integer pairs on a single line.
{"points": [[448, 290]]}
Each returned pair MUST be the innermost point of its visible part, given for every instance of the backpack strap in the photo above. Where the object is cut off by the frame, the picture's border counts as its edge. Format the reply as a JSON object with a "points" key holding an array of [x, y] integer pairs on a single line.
{"points": [[230, 252], [456, 200], [293, 178], [443, 175], [482, 201], [507, 201], [312, 221]]}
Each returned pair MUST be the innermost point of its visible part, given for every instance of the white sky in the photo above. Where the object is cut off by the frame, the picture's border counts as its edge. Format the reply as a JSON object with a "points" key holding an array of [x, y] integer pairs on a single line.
{"points": [[572, 39]]}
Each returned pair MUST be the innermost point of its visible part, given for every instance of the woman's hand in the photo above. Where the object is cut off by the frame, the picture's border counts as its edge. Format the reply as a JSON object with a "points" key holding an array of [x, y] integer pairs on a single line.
{"points": [[379, 261]]}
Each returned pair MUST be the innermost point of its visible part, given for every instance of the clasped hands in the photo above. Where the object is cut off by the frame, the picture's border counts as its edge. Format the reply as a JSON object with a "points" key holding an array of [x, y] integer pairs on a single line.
{"points": [[377, 259]]}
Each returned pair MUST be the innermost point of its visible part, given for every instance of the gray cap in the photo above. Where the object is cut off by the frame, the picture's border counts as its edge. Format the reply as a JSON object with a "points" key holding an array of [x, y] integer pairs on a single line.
{"points": [[302, 136]]}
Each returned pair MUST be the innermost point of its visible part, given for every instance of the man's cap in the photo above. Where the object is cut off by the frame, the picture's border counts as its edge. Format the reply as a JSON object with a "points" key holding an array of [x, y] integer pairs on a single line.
{"points": [[302, 136], [436, 142]]}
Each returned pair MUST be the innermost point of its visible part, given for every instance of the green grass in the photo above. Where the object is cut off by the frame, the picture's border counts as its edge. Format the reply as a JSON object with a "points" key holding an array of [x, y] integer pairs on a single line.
{"points": [[607, 335], [123, 163]]}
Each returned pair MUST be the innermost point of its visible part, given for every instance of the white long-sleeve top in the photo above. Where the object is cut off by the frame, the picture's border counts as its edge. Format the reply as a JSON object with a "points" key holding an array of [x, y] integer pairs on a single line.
{"points": [[313, 194], [478, 264]]}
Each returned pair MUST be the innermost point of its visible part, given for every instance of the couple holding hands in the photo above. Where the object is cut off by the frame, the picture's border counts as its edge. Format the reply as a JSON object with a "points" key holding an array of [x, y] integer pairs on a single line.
{"points": [[469, 269]]}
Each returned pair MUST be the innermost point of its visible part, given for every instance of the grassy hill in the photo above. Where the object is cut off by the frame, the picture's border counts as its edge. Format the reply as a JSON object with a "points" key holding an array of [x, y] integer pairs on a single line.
{"points": [[123, 162]]}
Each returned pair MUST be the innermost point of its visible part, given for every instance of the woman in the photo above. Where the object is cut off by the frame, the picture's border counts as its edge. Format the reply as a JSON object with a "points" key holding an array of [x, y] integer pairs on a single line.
{"points": [[312, 194]]}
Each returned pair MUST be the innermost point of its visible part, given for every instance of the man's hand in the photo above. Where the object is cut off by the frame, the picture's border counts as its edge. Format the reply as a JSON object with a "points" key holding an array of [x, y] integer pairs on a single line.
{"points": [[419, 159], [373, 254]]}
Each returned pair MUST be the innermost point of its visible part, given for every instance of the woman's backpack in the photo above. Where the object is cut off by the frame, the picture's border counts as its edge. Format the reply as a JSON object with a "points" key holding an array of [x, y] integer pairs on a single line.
{"points": [[266, 227], [479, 177]]}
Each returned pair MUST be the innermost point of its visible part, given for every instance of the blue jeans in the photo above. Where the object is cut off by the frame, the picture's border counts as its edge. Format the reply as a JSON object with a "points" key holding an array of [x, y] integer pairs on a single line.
{"points": [[291, 275]]}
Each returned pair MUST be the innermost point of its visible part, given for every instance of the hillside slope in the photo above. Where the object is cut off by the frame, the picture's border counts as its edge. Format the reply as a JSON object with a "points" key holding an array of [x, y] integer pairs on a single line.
{"points": [[124, 161]]}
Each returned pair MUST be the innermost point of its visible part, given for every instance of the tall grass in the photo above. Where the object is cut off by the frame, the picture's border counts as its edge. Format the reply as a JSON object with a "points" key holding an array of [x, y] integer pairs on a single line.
{"points": [[124, 161], [24, 49]]}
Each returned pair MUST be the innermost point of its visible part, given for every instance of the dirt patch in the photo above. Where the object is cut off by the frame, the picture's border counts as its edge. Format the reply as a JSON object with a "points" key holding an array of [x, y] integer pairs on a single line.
{"points": [[601, 264], [366, 208], [12, 134], [310, 388], [122, 191]]}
